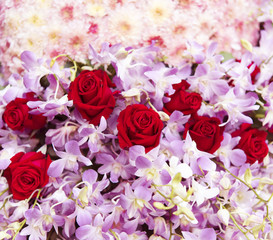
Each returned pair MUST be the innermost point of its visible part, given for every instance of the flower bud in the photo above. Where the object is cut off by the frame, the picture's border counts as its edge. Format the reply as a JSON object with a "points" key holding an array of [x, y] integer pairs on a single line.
{"points": [[248, 176], [223, 215], [83, 196]]}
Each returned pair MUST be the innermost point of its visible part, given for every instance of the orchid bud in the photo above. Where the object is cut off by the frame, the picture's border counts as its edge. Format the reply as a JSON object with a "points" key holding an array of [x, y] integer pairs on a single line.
{"points": [[4, 235], [160, 205], [185, 211], [247, 45], [83, 196], [133, 92], [163, 116], [223, 215], [248, 176]]}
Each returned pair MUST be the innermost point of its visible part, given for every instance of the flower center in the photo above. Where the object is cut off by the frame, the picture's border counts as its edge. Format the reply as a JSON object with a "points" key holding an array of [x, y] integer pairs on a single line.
{"points": [[207, 129]]}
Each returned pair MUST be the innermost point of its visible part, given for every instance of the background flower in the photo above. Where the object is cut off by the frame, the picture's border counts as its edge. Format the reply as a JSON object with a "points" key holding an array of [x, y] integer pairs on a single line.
{"points": [[170, 24]]}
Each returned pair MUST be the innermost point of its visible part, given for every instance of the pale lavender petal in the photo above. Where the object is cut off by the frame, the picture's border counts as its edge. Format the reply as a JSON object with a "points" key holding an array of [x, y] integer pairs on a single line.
{"points": [[29, 59], [143, 162], [19, 237], [84, 232], [226, 140], [26, 231], [11, 94], [114, 177], [130, 226], [135, 151], [184, 72], [93, 147], [98, 220], [220, 87], [237, 157], [142, 193], [208, 233], [31, 82], [59, 220], [32, 213], [56, 168], [201, 70], [125, 204], [47, 226], [83, 217], [160, 227], [108, 223], [176, 147], [103, 124], [212, 48], [165, 177], [90, 176], [73, 148], [69, 226], [189, 236], [85, 160], [4, 163], [206, 164], [106, 168], [92, 52], [86, 131], [104, 158]]}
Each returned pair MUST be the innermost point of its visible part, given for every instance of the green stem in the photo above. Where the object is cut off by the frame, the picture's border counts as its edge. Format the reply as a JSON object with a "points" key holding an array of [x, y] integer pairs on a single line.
{"points": [[24, 221], [114, 234], [73, 74], [236, 224], [4, 191], [5, 201], [171, 229], [38, 195], [151, 105], [270, 197], [239, 179], [19, 229], [160, 192], [257, 195], [268, 60], [148, 99]]}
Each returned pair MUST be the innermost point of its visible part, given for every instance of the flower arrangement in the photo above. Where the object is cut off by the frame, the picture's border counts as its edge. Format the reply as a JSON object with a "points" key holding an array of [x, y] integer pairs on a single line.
{"points": [[124, 146], [74, 24]]}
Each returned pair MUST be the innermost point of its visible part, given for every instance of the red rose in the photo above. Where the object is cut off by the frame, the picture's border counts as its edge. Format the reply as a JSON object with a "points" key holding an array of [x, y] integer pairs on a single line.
{"points": [[205, 131], [27, 172], [139, 125], [17, 115], [252, 142], [185, 102], [92, 96]]}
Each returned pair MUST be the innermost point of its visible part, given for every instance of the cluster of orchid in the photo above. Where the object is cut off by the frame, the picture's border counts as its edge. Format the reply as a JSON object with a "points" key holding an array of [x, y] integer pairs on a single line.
{"points": [[24, 26], [126, 147]]}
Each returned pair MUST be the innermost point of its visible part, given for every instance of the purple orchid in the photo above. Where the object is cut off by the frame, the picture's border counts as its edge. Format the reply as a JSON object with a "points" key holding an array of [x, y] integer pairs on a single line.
{"points": [[117, 167], [69, 159]]}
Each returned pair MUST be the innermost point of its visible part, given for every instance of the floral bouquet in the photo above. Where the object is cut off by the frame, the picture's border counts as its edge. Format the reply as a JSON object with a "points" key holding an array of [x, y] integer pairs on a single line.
{"points": [[125, 146]]}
